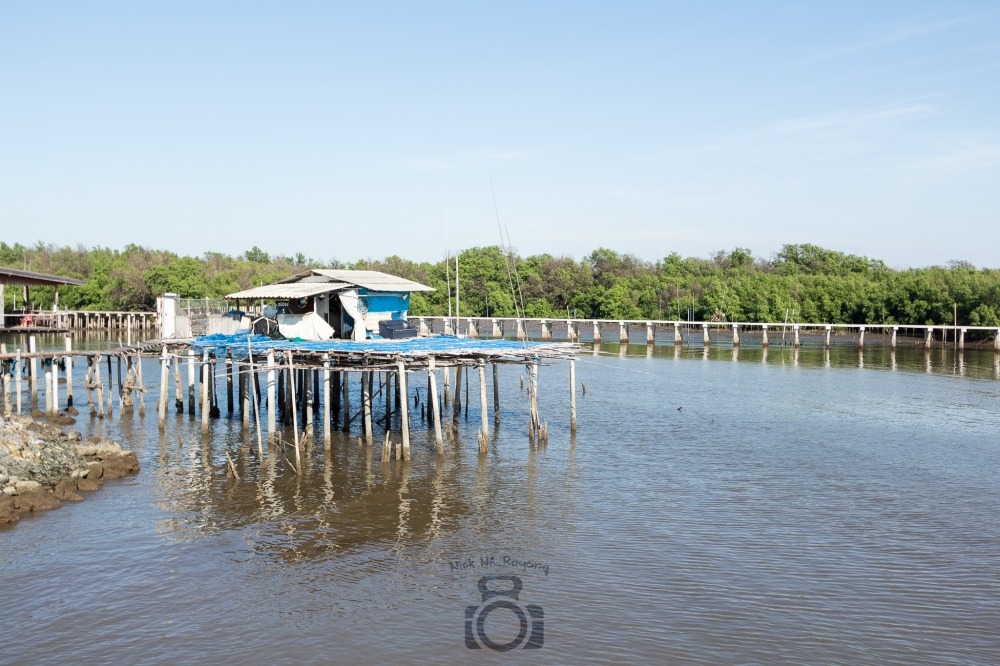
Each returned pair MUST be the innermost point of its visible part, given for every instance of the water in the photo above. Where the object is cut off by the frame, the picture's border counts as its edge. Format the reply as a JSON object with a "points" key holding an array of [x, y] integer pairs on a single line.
{"points": [[791, 509]]}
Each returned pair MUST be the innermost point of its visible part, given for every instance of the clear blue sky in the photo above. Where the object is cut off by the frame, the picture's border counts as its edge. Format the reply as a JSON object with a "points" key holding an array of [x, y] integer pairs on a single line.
{"points": [[336, 129]]}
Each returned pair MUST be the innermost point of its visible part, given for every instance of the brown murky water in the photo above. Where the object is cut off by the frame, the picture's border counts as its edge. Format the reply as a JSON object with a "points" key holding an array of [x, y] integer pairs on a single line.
{"points": [[798, 508]]}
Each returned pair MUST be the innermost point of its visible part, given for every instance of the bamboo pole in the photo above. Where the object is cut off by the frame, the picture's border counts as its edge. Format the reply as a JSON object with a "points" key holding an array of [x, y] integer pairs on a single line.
{"points": [[404, 408], [5, 369], [431, 376], [229, 381]]}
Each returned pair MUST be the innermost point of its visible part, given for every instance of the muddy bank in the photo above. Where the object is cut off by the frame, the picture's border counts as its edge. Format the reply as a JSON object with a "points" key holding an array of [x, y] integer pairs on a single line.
{"points": [[41, 466]]}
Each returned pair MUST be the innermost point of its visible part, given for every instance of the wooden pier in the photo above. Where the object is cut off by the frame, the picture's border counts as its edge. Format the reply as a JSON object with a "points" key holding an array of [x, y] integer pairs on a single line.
{"points": [[273, 385]]}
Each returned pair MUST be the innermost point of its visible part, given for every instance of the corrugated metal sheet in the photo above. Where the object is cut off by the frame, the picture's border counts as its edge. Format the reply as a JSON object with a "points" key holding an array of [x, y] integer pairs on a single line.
{"points": [[374, 280], [14, 276], [292, 290]]}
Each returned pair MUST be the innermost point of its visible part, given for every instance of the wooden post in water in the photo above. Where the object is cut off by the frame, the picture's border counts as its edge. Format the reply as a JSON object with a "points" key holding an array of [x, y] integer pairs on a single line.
{"points": [[54, 378], [141, 386], [496, 397], [678, 338], [404, 408], [892, 342], [178, 387], [597, 331], [961, 338], [5, 368], [795, 330], [996, 341], [161, 406], [861, 337], [309, 394], [484, 412], [456, 405], [929, 338], [17, 380], [295, 421], [446, 381], [326, 402], [335, 394], [229, 382], [100, 387], [272, 397], [345, 400], [622, 333], [435, 411], [763, 340], [191, 398], [366, 404], [572, 395], [48, 392], [736, 335], [204, 391], [69, 372], [33, 370], [705, 339], [650, 333]]}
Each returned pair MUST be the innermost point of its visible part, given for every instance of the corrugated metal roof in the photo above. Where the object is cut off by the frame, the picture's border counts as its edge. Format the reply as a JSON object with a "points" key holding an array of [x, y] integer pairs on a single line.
{"points": [[14, 276], [292, 290], [374, 280]]}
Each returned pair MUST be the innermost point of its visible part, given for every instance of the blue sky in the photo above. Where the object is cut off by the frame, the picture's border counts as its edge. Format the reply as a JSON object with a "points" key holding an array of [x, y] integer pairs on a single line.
{"points": [[352, 130]]}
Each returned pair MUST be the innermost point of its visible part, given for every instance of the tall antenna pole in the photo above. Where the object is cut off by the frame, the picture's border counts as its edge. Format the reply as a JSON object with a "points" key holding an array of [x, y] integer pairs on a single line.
{"points": [[447, 249]]}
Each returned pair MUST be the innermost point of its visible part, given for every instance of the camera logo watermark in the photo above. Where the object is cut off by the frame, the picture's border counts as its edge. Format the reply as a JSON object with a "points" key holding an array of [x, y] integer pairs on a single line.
{"points": [[529, 618]]}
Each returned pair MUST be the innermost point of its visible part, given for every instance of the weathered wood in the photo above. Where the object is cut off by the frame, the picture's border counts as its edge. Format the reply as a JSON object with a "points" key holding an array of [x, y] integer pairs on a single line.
{"points": [[205, 405], [572, 395], [366, 404], [33, 370], [161, 406], [272, 398], [435, 411], [484, 416], [229, 382], [404, 408], [326, 403], [496, 397], [69, 371]]}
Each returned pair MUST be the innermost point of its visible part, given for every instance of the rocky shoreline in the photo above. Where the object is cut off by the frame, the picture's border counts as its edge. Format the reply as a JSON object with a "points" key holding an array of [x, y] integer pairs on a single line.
{"points": [[41, 466]]}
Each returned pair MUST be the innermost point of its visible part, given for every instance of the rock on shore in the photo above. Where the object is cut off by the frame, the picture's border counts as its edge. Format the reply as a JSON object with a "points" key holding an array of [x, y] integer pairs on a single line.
{"points": [[41, 466]]}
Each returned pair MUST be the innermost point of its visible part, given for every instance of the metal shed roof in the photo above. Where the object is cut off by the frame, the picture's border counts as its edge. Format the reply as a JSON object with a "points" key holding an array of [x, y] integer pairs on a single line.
{"points": [[290, 290], [374, 280], [14, 276]]}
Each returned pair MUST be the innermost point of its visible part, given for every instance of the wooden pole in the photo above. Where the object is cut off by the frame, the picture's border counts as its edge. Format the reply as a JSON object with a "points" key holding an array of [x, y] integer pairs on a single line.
{"points": [[256, 402], [345, 400], [191, 399], [229, 381], [484, 416], [446, 373], [295, 420], [272, 397], [33, 370], [54, 406], [326, 402], [456, 405], [205, 406], [48, 391], [432, 377], [17, 381], [404, 408], [5, 369], [178, 386], [366, 403], [572, 395], [100, 387], [496, 397], [69, 372], [161, 407]]}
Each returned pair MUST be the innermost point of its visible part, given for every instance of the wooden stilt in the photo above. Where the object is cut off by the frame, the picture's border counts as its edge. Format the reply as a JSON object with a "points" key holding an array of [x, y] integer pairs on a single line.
{"points": [[17, 381], [484, 416], [48, 392], [404, 408], [205, 405], [161, 406], [366, 404], [33, 370], [229, 381], [191, 381], [69, 372], [435, 411], [326, 403], [5, 369], [496, 397], [295, 421], [178, 387], [335, 394], [456, 405], [572, 395], [272, 397], [345, 399], [54, 378]]}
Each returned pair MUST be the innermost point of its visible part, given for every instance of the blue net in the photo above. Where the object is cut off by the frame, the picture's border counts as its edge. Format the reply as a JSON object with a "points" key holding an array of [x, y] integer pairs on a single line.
{"points": [[242, 342]]}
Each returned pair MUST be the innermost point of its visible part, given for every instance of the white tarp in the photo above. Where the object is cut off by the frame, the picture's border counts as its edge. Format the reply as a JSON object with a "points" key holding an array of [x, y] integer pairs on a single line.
{"points": [[309, 326], [349, 301]]}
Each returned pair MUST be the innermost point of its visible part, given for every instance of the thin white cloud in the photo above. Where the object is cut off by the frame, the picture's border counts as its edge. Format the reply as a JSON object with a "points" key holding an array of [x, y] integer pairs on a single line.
{"points": [[901, 34], [462, 160]]}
